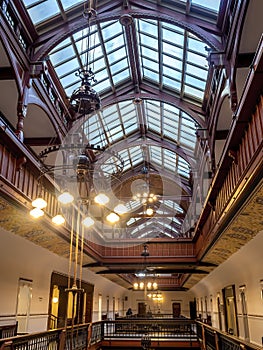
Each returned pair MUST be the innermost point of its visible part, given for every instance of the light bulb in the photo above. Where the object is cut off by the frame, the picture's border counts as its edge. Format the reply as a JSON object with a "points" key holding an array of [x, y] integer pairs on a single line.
{"points": [[58, 219], [135, 285], [141, 285], [101, 199], [65, 198], [112, 218], [88, 221], [55, 300], [149, 285], [155, 285], [36, 213], [39, 203], [149, 211]]}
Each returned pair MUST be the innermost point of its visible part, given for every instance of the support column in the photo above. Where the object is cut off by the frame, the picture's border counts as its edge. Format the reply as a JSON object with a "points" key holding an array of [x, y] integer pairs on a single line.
{"points": [[22, 111]]}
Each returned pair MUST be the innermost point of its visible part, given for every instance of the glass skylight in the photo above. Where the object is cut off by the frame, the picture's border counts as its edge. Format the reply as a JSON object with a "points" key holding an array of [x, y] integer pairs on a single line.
{"points": [[208, 4], [170, 60], [41, 10], [176, 45], [66, 57]]}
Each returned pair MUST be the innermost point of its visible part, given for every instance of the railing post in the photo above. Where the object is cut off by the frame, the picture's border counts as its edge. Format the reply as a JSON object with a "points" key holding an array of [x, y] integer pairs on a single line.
{"points": [[89, 334], [216, 340], [102, 330], [62, 340], [203, 338]]}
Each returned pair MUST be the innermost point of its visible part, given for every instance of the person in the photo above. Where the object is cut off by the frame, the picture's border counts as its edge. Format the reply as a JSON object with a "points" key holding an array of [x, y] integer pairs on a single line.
{"points": [[129, 312]]}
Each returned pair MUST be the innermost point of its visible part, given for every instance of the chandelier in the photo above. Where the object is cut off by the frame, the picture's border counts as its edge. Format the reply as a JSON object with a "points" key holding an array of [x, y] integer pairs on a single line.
{"points": [[85, 100], [143, 193], [74, 206], [157, 296], [145, 279], [79, 172]]}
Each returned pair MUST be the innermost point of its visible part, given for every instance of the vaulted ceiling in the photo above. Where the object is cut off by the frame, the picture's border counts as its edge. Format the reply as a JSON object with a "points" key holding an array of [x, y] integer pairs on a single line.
{"points": [[150, 60]]}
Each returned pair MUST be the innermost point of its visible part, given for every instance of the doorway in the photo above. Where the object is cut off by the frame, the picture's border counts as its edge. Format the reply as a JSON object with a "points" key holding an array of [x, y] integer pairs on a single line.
{"points": [[192, 306], [61, 310], [230, 310], [219, 312], [141, 309], [176, 310], [24, 297], [243, 299]]}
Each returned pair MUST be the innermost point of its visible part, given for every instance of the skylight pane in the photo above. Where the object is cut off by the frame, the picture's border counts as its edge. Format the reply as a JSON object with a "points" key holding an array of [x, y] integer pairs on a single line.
{"points": [[197, 59], [114, 43], [28, 2], [148, 27], [61, 55], [200, 84], [173, 27], [101, 75], [130, 120], [119, 66], [208, 4], [111, 30], [197, 71], [174, 84], [99, 64], [69, 79], [69, 66], [172, 62], [173, 37], [116, 55], [103, 85], [70, 3], [117, 78], [194, 92], [42, 10], [147, 52], [172, 73], [151, 75], [197, 45], [173, 50], [151, 64]]}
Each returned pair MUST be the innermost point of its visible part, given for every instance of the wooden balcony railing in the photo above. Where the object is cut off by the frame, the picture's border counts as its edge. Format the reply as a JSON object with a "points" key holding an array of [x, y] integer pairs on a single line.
{"points": [[213, 339], [19, 172], [7, 331], [132, 332], [241, 164]]}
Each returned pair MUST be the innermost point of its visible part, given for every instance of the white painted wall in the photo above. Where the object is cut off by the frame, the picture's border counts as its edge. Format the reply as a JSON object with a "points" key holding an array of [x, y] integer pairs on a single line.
{"points": [[20, 258], [244, 268], [165, 306]]}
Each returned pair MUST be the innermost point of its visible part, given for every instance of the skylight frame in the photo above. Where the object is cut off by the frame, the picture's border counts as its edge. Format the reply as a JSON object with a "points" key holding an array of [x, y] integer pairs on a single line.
{"points": [[185, 83]]}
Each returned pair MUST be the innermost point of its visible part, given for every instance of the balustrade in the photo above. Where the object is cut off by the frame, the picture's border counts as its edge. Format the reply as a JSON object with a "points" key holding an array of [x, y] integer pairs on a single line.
{"points": [[241, 162], [213, 339], [80, 337]]}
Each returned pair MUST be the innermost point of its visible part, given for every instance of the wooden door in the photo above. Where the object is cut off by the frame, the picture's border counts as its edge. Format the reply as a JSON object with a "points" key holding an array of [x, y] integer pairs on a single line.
{"points": [[176, 310], [141, 309]]}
